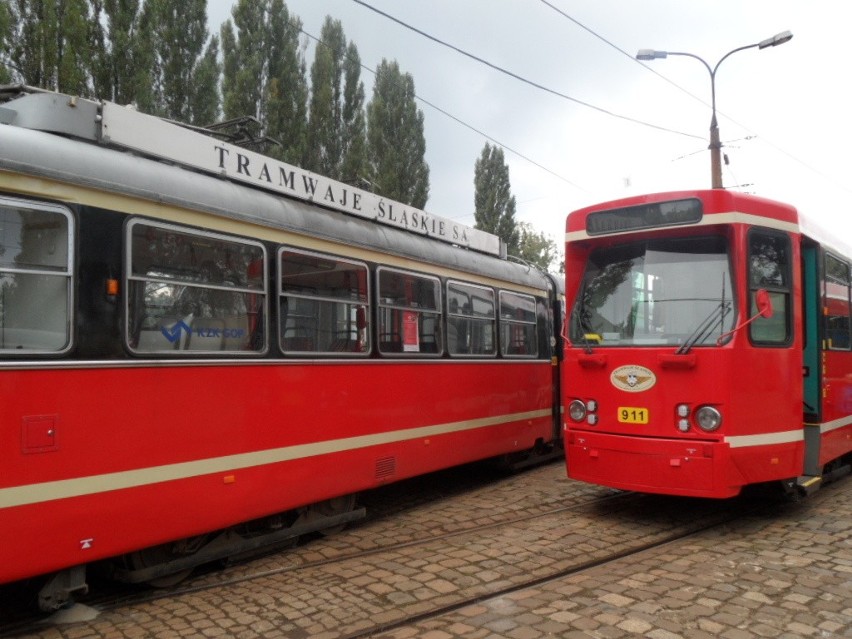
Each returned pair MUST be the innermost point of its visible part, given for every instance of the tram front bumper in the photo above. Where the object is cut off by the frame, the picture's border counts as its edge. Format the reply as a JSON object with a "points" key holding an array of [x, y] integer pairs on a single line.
{"points": [[651, 465]]}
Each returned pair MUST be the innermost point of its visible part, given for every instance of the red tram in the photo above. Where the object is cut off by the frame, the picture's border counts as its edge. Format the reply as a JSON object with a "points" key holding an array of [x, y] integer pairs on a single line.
{"points": [[194, 336], [709, 346]]}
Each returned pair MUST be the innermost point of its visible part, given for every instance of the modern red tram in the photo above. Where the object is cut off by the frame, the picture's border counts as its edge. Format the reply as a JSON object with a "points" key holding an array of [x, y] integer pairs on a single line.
{"points": [[194, 336], [708, 346]]}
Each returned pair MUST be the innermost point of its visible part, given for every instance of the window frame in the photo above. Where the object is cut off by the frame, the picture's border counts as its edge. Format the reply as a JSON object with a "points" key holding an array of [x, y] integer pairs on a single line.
{"points": [[367, 346], [493, 320], [829, 342], [185, 353], [510, 323], [774, 290], [68, 273], [383, 307]]}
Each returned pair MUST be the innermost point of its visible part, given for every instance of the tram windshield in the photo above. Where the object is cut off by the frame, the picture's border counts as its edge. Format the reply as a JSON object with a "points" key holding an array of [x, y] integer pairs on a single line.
{"points": [[658, 292]]}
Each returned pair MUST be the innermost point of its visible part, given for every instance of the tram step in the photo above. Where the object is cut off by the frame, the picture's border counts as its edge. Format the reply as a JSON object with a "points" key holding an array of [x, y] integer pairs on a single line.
{"points": [[809, 484]]}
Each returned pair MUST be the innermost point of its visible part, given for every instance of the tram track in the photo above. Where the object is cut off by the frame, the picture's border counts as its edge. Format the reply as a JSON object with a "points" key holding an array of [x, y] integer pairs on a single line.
{"points": [[107, 603], [609, 505], [540, 545], [387, 504], [526, 585]]}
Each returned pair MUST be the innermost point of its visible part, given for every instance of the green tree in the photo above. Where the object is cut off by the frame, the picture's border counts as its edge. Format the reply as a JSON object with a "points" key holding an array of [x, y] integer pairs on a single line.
{"points": [[535, 247], [6, 31], [336, 138], [265, 73], [50, 44], [354, 134], [395, 140], [323, 153], [122, 55], [185, 61], [494, 204]]}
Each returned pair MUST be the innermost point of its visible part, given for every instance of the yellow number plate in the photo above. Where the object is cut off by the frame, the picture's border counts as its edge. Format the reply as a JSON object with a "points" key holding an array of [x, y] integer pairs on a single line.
{"points": [[632, 415]]}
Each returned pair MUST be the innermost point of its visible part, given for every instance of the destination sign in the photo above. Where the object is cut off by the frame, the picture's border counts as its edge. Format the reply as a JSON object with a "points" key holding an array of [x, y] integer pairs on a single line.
{"points": [[644, 216]]}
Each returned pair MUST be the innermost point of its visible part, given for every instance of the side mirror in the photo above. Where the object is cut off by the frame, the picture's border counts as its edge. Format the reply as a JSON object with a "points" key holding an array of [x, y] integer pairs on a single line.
{"points": [[764, 303], [764, 309]]}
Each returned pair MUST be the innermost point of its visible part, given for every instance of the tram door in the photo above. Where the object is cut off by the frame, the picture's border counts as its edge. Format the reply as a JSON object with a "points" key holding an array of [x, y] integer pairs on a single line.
{"points": [[811, 366]]}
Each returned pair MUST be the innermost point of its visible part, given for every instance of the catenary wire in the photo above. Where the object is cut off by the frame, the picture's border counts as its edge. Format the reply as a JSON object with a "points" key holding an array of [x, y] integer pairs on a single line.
{"points": [[520, 77], [446, 113], [692, 95]]}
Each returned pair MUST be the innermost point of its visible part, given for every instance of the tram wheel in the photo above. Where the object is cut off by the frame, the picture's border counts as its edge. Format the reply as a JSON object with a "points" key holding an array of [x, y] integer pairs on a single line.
{"points": [[157, 555], [329, 508]]}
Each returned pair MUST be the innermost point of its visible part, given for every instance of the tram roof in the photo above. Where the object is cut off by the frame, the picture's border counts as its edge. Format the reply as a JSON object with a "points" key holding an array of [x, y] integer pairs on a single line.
{"points": [[68, 139], [716, 202]]}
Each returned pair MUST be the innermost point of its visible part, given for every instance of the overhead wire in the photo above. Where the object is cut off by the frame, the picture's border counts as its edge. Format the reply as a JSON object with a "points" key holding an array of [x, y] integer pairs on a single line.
{"points": [[467, 125], [519, 77], [692, 95]]}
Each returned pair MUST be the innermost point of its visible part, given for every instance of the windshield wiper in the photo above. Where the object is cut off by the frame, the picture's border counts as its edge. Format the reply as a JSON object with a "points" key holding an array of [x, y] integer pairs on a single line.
{"points": [[577, 320], [714, 319]]}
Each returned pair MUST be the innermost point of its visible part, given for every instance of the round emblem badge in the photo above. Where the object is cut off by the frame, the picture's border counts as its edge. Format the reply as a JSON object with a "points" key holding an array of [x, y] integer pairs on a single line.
{"points": [[632, 378]]}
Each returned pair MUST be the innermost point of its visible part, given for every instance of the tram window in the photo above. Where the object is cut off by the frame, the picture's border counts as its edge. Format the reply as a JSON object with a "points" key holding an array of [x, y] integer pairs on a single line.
{"points": [[409, 313], [655, 292], [324, 304], [518, 325], [769, 269], [36, 254], [471, 322], [191, 293], [837, 303]]}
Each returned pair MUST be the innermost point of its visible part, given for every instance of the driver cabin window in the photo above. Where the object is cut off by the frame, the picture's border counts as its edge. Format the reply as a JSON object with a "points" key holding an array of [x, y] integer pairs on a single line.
{"points": [[769, 269]]}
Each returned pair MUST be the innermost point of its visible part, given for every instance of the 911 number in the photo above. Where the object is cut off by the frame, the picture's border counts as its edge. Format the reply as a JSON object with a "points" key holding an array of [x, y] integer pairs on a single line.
{"points": [[632, 415]]}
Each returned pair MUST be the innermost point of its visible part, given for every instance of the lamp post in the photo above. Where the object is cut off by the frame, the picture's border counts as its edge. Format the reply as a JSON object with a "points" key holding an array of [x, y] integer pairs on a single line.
{"points": [[715, 143]]}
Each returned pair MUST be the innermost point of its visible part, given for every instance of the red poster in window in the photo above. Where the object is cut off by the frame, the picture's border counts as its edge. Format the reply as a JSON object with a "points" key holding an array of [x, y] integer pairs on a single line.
{"points": [[410, 332]]}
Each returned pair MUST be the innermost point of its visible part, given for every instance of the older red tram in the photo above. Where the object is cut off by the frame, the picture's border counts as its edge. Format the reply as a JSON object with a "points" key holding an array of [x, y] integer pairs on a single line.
{"points": [[194, 336], [709, 346]]}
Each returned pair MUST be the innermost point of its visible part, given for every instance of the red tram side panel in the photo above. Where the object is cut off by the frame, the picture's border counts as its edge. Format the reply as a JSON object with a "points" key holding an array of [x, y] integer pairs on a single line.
{"points": [[700, 357], [196, 449]]}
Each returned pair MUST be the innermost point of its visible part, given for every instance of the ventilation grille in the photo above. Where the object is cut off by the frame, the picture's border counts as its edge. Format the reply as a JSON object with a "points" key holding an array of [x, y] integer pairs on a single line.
{"points": [[385, 468]]}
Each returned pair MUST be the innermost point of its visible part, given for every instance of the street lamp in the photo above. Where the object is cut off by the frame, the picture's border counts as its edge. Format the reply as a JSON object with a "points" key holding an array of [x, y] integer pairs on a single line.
{"points": [[715, 144]]}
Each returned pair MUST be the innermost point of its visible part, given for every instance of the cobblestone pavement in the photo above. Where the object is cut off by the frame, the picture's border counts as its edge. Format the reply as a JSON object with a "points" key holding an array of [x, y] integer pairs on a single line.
{"points": [[788, 574]]}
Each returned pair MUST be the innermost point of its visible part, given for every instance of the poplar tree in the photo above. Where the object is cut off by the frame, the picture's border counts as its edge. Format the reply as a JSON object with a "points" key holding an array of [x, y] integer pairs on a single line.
{"points": [[336, 140], [185, 66], [494, 204], [354, 134], [122, 57], [6, 30], [395, 141], [265, 74], [324, 150], [49, 46]]}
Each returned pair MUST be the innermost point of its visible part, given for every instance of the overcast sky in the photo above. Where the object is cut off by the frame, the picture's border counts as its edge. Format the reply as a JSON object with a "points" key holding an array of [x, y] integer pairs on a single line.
{"points": [[783, 111]]}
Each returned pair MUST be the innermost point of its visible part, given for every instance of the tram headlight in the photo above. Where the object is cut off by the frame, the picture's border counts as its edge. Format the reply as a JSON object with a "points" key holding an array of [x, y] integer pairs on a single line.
{"points": [[708, 418], [577, 410]]}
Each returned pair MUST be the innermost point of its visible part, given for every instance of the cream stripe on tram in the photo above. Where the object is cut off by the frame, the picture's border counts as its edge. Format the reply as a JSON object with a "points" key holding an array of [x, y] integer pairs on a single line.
{"points": [[765, 439], [96, 484], [131, 205]]}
